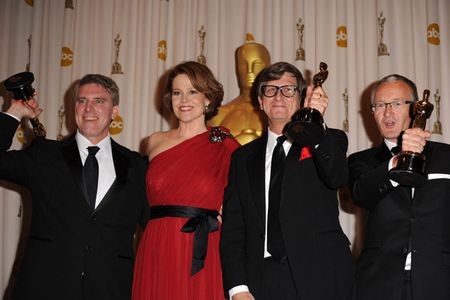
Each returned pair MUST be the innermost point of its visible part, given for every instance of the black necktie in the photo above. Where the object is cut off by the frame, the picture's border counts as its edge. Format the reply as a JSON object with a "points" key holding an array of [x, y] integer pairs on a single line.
{"points": [[90, 173], [275, 243]]}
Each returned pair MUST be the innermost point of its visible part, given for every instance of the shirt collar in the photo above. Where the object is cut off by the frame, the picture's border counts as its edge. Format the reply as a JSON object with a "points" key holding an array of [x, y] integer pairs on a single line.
{"points": [[83, 143], [272, 139], [389, 144]]}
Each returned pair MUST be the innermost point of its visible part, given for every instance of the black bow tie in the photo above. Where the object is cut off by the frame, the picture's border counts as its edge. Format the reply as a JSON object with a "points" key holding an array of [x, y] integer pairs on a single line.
{"points": [[395, 150]]}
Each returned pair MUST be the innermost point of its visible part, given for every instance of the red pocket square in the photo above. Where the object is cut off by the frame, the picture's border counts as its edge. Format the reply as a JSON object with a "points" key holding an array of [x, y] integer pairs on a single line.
{"points": [[306, 153]]}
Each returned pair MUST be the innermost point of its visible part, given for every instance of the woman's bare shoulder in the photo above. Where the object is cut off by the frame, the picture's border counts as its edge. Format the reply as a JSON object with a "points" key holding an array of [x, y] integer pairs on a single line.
{"points": [[157, 142]]}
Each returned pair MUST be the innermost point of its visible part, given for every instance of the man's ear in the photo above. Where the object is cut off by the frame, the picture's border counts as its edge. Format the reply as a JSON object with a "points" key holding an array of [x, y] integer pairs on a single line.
{"points": [[260, 102], [115, 112], [411, 111]]}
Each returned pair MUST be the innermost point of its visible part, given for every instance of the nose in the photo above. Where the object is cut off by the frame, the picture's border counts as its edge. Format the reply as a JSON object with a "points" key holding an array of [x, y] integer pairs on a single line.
{"points": [[249, 68], [278, 96], [88, 105], [388, 109]]}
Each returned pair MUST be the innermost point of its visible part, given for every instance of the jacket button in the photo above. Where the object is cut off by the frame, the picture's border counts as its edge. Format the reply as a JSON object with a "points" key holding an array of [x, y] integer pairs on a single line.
{"points": [[382, 188], [89, 248], [93, 218]]}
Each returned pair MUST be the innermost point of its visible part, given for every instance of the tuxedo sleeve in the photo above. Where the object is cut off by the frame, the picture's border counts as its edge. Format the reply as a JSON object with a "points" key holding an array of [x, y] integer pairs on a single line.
{"points": [[369, 181], [8, 126], [232, 243], [14, 165], [330, 158], [145, 212]]}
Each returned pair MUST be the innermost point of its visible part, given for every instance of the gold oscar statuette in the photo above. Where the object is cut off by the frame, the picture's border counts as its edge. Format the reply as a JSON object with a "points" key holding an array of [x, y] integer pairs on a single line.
{"points": [[307, 126], [20, 85], [61, 116], [300, 53], [345, 122], [27, 67], [117, 67], [437, 126], [382, 48], [201, 58], [410, 170], [69, 4]]}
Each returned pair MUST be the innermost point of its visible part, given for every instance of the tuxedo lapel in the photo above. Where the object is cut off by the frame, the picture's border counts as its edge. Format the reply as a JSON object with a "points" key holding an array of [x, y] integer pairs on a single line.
{"points": [[383, 154], [421, 193], [428, 152], [71, 155], [256, 171], [293, 154], [121, 166]]}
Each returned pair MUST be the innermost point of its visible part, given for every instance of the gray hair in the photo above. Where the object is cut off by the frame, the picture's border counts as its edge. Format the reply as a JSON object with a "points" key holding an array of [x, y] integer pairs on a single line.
{"points": [[107, 83], [392, 78]]}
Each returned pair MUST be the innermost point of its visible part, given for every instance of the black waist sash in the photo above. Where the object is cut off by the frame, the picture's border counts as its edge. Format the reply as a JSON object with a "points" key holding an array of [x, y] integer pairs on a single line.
{"points": [[201, 222]]}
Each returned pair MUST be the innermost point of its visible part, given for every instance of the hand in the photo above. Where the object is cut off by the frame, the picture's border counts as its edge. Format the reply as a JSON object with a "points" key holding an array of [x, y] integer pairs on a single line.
{"points": [[414, 139], [243, 296], [316, 99], [219, 216], [20, 108]]}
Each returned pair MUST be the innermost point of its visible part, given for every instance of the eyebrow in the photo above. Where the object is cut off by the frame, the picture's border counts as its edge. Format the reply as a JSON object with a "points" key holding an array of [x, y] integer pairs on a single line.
{"points": [[95, 98]]}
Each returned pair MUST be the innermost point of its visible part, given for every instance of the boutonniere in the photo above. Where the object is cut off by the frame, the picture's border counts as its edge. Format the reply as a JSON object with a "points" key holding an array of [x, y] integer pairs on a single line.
{"points": [[305, 153], [218, 135]]}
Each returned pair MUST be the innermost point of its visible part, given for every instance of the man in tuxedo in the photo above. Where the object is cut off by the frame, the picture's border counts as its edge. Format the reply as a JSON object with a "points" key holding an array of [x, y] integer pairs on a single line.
{"points": [[281, 237], [406, 253], [85, 207]]}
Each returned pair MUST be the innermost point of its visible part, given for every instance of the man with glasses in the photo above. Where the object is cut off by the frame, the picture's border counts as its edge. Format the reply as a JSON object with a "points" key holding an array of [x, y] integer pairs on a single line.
{"points": [[281, 237], [406, 253]]}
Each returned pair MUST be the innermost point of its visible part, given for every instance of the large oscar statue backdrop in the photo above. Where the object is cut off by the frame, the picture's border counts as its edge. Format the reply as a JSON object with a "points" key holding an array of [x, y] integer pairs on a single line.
{"points": [[245, 120]]}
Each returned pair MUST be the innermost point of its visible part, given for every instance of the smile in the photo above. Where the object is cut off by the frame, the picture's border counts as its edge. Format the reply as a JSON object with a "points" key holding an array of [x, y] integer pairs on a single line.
{"points": [[90, 118], [185, 108]]}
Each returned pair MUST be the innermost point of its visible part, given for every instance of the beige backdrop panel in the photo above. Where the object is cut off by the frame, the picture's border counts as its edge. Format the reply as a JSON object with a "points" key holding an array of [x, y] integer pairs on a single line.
{"points": [[154, 35]]}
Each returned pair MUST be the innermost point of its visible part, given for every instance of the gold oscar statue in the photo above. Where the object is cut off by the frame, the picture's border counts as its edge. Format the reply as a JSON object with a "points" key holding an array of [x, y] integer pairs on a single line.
{"points": [[437, 126], [410, 169], [245, 121], [307, 126], [20, 86], [382, 48], [117, 67]]}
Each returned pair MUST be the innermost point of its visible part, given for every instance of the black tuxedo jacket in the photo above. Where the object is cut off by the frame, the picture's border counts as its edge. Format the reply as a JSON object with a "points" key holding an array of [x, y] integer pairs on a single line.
{"points": [[317, 249], [74, 252], [399, 223]]}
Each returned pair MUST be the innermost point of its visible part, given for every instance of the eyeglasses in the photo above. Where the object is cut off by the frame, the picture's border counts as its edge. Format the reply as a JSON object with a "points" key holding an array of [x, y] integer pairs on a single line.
{"points": [[395, 105], [287, 91]]}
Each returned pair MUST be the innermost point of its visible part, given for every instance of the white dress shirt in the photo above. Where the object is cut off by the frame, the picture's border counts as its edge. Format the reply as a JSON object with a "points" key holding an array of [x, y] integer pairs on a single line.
{"points": [[106, 171], [271, 143], [391, 145]]}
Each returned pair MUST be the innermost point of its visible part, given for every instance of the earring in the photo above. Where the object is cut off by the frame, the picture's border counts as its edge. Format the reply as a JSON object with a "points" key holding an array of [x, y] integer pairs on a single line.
{"points": [[206, 107]]}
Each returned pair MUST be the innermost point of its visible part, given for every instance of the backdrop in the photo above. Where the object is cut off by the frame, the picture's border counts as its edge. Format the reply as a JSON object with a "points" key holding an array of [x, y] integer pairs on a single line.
{"points": [[137, 41]]}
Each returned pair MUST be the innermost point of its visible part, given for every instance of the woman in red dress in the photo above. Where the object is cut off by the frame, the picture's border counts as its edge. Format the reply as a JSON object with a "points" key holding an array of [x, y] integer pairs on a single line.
{"points": [[178, 256]]}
